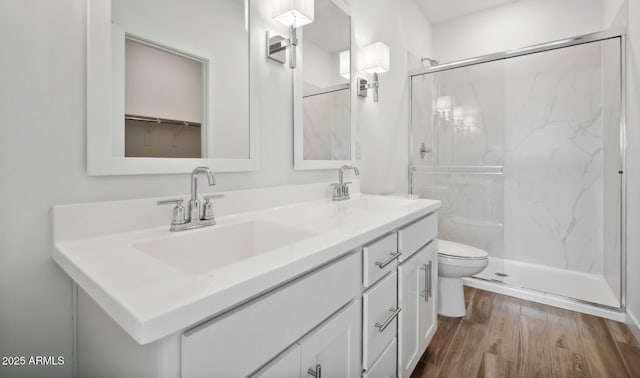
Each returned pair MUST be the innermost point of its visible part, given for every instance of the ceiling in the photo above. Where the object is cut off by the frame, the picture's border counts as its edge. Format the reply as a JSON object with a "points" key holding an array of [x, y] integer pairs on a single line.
{"points": [[442, 10]]}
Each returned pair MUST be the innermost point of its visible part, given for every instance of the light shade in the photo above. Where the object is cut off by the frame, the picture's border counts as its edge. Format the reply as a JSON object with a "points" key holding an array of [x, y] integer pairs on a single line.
{"points": [[443, 103], [345, 64], [294, 13], [375, 58], [458, 113]]}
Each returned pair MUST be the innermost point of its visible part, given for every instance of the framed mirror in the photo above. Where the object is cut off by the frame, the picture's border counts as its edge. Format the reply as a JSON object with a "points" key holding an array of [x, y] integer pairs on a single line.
{"points": [[168, 87], [322, 95]]}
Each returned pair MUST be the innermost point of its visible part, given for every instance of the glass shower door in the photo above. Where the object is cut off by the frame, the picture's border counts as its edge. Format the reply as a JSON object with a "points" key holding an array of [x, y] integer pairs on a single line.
{"points": [[457, 136], [562, 157]]}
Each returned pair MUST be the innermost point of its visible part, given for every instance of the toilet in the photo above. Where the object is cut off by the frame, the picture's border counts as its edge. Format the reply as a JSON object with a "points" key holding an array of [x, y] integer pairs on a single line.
{"points": [[455, 261]]}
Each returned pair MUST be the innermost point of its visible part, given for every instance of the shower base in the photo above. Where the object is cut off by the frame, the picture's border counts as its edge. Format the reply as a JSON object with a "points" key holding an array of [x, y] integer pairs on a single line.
{"points": [[577, 291]]}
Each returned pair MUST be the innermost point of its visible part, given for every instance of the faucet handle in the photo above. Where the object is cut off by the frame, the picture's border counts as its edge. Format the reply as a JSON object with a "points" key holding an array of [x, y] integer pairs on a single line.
{"points": [[178, 210], [345, 190], [337, 191], [207, 207]]}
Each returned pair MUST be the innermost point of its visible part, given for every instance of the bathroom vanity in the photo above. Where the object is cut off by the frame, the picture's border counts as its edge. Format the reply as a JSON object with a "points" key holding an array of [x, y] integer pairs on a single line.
{"points": [[287, 284]]}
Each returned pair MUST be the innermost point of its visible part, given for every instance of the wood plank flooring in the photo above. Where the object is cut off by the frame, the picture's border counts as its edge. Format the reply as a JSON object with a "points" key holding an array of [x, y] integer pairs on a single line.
{"points": [[503, 336]]}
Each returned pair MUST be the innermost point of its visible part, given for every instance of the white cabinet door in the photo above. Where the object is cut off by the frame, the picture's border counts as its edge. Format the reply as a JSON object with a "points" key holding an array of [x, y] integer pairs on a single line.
{"points": [[286, 365], [429, 308], [410, 285], [416, 298], [332, 350]]}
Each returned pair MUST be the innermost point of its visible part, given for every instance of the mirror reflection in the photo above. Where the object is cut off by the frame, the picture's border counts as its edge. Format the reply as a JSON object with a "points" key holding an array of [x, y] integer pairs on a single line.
{"points": [[326, 99], [181, 74]]}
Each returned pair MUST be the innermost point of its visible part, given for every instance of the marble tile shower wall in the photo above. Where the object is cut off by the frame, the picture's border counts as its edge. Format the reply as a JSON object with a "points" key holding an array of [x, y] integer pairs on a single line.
{"points": [[472, 208], [462, 142], [320, 142], [541, 117], [554, 158]]}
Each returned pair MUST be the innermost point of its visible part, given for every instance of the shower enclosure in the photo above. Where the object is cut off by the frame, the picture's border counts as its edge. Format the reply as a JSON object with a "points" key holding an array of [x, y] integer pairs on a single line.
{"points": [[525, 149]]}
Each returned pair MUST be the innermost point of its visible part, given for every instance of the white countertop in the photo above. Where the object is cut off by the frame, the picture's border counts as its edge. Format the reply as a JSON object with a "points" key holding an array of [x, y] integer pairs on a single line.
{"points": [[151, 298]]}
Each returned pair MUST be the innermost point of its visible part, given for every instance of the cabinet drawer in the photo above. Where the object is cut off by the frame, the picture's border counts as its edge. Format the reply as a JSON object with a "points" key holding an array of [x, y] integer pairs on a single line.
{"points": [[240, 341], [380, 318], [416, 235], [385, 366], [379, 258]]}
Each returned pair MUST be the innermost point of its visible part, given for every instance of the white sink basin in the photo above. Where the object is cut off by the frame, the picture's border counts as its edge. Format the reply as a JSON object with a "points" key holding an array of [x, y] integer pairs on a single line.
{"points": [[199, 251]]}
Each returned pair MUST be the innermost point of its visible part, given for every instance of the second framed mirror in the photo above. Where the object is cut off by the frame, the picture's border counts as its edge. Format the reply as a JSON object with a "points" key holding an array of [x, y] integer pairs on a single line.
{"points": [[322, 94]]}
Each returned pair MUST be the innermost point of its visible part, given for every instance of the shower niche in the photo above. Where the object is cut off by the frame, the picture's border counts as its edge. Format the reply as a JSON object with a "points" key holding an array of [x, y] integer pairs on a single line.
{"points": [[524, 151]]}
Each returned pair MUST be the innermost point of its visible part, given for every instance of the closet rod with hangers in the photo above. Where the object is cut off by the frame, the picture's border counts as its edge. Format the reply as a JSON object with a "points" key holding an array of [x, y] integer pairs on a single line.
{"points": [[159, 121]]}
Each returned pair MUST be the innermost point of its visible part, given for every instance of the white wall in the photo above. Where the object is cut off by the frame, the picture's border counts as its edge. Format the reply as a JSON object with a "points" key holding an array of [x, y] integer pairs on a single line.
{"points": [[513, 25], [383, 126], [42, 152], [614, 13], [633, 167], [321, 69]]}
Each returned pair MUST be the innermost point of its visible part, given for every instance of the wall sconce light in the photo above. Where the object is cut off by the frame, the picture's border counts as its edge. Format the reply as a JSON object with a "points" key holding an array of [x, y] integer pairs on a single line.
{"points": [[375, 60], [345, 64], [291, 13], [443, 106]]}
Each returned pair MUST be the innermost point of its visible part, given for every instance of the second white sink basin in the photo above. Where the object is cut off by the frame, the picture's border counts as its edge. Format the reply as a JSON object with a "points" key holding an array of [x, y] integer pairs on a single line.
{"points": [[200, 251]]}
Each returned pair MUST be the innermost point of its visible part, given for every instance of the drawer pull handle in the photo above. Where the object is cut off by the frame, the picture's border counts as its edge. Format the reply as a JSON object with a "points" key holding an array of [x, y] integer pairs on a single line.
{"points": [[315, 373], [394, 314], [392, 256]]}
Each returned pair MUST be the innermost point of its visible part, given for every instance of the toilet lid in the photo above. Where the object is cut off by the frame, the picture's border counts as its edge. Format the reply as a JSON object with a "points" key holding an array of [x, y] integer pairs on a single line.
{"points": [[459, 250]]}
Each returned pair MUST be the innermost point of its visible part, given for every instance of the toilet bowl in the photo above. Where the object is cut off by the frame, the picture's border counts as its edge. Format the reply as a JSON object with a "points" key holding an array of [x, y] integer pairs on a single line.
{"points": [[455, 261]]}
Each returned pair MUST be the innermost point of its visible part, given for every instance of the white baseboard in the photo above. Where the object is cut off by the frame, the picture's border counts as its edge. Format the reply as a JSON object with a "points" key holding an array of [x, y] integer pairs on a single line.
{"points": [[633, 324]]}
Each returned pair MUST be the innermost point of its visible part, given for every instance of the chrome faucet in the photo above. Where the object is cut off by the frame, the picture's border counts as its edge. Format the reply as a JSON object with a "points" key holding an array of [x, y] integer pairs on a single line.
{"points": [[194, 218], [341, 189], [194, 205]]}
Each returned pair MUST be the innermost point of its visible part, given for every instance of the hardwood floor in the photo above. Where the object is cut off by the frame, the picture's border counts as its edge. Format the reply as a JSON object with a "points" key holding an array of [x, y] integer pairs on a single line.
{"points": [[503, 336]]}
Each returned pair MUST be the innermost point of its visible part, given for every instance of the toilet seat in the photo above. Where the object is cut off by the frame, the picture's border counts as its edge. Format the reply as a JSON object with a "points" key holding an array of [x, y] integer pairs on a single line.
{"points": [[457, 251]]}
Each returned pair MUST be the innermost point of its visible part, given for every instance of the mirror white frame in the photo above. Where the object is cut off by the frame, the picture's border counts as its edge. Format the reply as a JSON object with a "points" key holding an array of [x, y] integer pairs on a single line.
{"points": [[299, 163], [101, 159]]}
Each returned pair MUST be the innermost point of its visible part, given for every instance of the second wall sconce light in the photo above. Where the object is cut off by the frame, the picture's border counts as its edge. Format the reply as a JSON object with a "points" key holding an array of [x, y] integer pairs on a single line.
{"points": [[291, 13], [375, 60]]}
